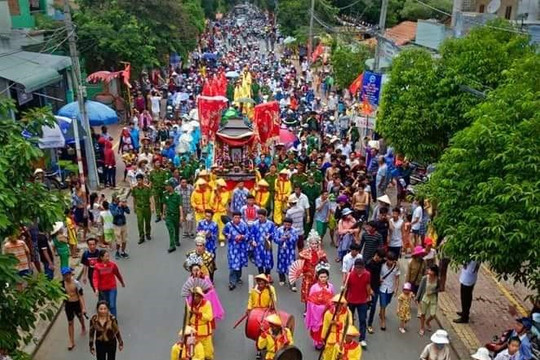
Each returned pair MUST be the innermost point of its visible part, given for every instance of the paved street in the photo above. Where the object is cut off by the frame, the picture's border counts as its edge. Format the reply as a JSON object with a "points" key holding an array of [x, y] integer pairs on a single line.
{"points": [[150, 311]]}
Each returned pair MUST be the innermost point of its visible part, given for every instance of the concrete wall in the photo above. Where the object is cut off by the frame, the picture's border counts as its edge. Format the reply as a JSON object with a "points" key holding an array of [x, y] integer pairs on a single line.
{"points": [[25, 19]]}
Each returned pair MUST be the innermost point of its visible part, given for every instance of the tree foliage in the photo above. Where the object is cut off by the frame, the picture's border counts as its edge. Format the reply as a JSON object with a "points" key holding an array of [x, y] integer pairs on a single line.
{"points": [[348, 63], [294, 15], [22, 202], [413, 10], [369, 11], [141, 32], [107, 37], [422, 110], [486, 184]]}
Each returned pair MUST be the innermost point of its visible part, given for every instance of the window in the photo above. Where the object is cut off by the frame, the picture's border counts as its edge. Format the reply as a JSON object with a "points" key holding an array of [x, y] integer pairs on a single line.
{"points": [[14, 9], [481, 9], [508, 13]]}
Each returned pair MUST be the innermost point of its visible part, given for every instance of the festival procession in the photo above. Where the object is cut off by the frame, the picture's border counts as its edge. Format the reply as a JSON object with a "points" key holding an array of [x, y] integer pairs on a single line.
{"points": [[247, 210]]}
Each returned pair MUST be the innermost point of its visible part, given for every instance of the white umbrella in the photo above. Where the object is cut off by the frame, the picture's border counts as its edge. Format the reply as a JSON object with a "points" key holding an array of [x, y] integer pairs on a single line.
{"points": [[289, 40], [232, 74], [194, 114]]}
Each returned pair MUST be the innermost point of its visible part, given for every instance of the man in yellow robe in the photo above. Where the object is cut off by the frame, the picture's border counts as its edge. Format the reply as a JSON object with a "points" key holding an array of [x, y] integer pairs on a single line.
{"points": [[220, 201], [275, 338], [261, 194], [187, 347], [201, 319], [263, 295], [282, 190], [200, 199], [350, 349], [333, 331]]}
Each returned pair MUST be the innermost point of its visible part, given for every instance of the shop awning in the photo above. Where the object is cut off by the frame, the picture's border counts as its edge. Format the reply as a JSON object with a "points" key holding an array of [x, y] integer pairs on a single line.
{"points": [[32, 70]]}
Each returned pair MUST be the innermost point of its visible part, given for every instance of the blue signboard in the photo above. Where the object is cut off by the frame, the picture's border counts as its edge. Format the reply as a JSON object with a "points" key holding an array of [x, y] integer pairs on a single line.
{"points": [[371, 87]]}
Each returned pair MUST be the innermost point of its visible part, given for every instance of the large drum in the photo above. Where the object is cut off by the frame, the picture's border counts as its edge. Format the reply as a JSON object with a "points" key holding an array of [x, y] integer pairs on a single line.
{"points": [[289, 353], [255, 322]]}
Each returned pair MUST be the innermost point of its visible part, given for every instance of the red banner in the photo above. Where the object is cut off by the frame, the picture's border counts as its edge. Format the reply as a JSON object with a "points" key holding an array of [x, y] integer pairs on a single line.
{"points": [[210, 110], [317, 52], [267, 122], [356, 84]]}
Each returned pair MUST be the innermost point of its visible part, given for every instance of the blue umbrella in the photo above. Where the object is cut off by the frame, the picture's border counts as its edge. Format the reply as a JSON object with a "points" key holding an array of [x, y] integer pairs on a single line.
{"points": [[209, 56], [98, 113]]}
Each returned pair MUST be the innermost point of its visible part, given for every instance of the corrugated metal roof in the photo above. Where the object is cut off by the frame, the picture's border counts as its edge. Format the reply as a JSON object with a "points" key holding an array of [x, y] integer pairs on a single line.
{"points": [[32, 70]]}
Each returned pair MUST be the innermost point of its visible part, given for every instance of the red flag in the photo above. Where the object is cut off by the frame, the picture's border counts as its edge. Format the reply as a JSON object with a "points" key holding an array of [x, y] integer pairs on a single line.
{"points": [[317, 52], [267, 121], [356, 84], [210, 110]]}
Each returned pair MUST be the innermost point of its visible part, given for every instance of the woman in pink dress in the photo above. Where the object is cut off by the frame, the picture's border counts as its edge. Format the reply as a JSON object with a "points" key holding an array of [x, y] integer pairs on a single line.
{"points": [[194, 266], [320, 295]]}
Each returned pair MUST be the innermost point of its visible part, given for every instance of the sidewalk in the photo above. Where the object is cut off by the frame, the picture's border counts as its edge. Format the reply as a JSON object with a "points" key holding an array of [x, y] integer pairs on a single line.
{"points": [[42, 327], [490, 313]]}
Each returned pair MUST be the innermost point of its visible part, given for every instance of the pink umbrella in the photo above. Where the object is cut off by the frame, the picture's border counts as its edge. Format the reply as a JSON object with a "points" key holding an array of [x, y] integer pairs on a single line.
{"points": [[286, 137]]}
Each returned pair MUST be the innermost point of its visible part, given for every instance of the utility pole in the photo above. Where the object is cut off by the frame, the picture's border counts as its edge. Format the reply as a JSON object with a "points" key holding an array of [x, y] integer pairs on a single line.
{"points": [[458, 6], [382, 27], [81, 97], [310, 42]]}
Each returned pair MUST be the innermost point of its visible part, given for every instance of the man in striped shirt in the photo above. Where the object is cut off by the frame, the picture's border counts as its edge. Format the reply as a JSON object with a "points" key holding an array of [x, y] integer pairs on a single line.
{"points": [[371, 240], [296, 213]]}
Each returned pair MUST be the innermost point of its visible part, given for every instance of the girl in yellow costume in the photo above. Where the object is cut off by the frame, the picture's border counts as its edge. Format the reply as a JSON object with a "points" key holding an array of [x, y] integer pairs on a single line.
{"points": [[220, 201], [282, 191], [333, 332], [261, 193]]}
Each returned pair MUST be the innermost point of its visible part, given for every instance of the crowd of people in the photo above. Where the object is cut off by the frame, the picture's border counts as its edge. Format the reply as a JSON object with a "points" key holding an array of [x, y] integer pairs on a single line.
{"points": [[337, 181]]}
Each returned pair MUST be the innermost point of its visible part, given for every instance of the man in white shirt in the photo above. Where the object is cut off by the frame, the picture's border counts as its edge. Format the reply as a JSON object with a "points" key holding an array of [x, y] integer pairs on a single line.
{"points": [[296, 213], [345, 147], [389, 284], [467, 279], [416, 222], [349, 259], [396, 232], [303, 201]]}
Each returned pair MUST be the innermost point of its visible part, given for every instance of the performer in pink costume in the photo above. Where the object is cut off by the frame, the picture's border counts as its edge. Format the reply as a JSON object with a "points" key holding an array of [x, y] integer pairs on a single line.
{"points": [[318, 300]]}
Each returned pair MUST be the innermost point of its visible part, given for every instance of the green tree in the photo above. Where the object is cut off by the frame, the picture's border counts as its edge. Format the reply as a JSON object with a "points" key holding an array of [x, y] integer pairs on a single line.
{"points": [[486, 184], [413, 10], [293, 15], [421, 126], [406, 118], [108, 36], [22, 202], [348, 63]]}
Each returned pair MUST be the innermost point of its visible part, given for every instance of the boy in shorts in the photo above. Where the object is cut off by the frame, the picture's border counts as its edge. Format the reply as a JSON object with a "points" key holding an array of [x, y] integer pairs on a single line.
{"points": [[74, 304]]}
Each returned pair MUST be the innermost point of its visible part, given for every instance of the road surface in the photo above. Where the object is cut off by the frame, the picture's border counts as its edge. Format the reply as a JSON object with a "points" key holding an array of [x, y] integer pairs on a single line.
{"points": [[150, 310]]}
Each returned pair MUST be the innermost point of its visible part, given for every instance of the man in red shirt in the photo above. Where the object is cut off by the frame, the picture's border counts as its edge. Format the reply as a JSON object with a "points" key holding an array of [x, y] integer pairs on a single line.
{"points": [[359, 295]]}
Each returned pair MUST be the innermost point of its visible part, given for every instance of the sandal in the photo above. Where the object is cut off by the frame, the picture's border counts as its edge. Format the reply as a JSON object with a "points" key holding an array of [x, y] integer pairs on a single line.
{"points": [[71, 347], [421, 332]]}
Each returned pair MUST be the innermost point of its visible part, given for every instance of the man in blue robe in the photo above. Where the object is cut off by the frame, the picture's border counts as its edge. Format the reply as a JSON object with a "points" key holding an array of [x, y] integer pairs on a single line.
{"points": [[262, 235], [237, 236], [210, 228], [285, 237]]}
